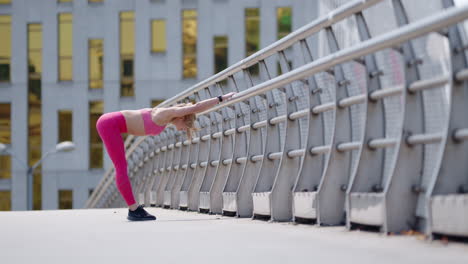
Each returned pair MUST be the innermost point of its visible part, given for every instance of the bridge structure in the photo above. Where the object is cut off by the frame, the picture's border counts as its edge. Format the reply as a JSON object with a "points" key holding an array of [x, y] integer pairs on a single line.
{"points": [[370, 131]]}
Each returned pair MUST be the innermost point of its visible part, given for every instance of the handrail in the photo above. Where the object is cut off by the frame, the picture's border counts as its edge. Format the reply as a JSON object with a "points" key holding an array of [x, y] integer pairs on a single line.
{"points": [[388, 40], [315, 26]]}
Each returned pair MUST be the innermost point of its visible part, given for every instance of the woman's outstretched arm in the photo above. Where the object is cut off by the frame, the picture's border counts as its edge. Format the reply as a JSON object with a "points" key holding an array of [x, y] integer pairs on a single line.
{"points": [[199, 106]]}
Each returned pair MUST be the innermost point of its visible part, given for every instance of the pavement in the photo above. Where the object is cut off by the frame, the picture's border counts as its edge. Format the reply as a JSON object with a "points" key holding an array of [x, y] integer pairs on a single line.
{"points": [[106, 236]]}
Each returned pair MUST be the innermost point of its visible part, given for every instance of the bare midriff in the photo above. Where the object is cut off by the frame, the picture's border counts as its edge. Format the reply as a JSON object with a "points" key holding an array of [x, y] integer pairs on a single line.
{"points": [[134, 122]]}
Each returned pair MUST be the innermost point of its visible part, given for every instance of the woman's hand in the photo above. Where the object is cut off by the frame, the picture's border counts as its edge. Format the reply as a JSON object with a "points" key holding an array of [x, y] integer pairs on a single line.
{"points": [[228, 96]]}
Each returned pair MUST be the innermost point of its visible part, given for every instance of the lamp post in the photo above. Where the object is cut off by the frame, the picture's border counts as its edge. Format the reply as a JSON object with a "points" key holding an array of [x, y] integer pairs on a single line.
{"points": [[64, 146]]}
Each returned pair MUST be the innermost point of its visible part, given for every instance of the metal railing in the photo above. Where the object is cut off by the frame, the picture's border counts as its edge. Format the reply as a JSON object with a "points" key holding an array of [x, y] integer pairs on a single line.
{"points": [[361, 135]]}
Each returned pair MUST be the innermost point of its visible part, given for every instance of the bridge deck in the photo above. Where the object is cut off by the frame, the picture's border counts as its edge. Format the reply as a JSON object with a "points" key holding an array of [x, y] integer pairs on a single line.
{"points": [[76, 236]]}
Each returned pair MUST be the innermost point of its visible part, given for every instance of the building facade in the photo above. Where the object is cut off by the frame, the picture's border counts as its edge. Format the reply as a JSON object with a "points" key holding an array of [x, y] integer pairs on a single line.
{"points": [[65, 62]]}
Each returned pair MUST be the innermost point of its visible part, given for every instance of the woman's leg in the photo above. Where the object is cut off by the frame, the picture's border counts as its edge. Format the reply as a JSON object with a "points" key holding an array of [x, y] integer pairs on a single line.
{"points": [[109, 127]]}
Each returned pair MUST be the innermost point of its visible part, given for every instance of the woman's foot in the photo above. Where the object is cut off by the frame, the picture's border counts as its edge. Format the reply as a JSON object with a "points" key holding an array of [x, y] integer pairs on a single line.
{"points": [[139, 214]]}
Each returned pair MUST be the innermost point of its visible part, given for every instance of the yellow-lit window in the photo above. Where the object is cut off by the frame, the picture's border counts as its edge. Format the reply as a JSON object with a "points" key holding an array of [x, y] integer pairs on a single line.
{"points": [[189, 38], [5, 123], [220, 53], [96, 63], [252, 35], [5, 2], [5, 138], [65, 1], [252, 30], [127, 49], [65, 46], [95, 145], [34, 107], [65, 125], [65, 199], [5, 200], [283, 19], [156, 102], [158, 40], [5, 48], [95, 1]]}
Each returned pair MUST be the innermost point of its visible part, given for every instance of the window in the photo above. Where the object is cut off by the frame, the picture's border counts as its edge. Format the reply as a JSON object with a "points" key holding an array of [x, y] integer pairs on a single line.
{"points": [[156, 102], [90, 192], [220, 53], [5, 48], [5, 138], [5, 123], [252, 35], [5, 2], [65, 46], [283, 18], [95, 145], [96, 62], [65, 199], [189, 38], [5, 200], [65, 125], [127, 48], [34, 107], [158, 40], [252, 31], [65, 1], [5, 166], [95, 1]]}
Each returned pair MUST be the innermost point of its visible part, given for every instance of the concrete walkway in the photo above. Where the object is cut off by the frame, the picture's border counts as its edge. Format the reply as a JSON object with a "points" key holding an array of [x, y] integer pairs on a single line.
{"points": [[105, 236]]}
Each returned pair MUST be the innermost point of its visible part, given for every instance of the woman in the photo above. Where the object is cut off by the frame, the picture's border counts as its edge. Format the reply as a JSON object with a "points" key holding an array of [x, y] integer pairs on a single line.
{"points": [[147, 121]]}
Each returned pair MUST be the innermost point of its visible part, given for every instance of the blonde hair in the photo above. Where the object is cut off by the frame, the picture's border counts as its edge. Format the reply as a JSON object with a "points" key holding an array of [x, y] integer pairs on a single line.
{"points": [[189, 121]]}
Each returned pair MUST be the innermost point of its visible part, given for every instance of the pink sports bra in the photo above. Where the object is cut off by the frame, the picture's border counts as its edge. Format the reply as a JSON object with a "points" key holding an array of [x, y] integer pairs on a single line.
{"points": [[150, 127]]}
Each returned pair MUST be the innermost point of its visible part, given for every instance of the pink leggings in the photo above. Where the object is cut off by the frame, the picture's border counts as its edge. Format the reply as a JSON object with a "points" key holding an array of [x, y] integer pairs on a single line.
{"points": [[109, 127]]}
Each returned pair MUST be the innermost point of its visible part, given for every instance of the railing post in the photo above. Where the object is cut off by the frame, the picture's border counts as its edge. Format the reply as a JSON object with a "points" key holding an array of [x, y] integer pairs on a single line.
{"points": [[448, 187], [257, 138], [333, 185], [262, 192], [203, 154], [365, 179], [311, 168], [241, 147], [214, 154]]}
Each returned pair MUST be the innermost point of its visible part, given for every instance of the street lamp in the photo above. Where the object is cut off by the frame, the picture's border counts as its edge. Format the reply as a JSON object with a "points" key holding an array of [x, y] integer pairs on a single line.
{"points": [[64, 146]]}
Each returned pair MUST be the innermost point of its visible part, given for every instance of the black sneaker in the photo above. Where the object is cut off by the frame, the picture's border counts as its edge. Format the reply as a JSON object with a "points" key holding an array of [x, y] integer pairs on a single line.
{"points": [[139, 214]]}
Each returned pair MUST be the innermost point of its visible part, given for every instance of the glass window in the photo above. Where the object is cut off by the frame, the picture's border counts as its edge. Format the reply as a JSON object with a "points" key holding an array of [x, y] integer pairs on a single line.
{"points": [[65, 125], [65, 1], [189, 38], [65, 199], [283, 19], [5, 138], [156, 102], [96, 109], [5, 166], [5, 123], [252, 30], [252, 35], [5, 2], [5, 48], [34, 107], [65, 46], [95, 1], [5, 200], [158, 40], [220, 53], [127, 48], [96, 63], [90, 191]]}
